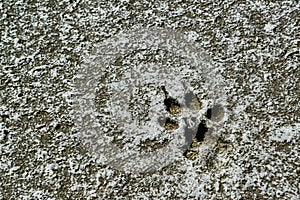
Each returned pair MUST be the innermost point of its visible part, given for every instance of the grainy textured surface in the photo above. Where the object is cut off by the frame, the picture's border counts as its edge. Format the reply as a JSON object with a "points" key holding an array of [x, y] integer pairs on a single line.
{"points": [[255, 43]]}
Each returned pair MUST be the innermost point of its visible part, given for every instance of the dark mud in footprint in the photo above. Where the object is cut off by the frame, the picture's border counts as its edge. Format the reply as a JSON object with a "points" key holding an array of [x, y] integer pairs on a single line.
{"points": [[216, 113]]}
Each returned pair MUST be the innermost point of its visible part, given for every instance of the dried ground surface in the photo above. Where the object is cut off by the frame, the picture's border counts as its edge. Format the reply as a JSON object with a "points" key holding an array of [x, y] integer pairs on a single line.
{"points": [[254, 43]]}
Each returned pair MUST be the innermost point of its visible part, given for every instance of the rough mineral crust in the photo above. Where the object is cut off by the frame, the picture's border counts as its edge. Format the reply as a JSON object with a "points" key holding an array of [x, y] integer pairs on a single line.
{"points": [[253, 44]]}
